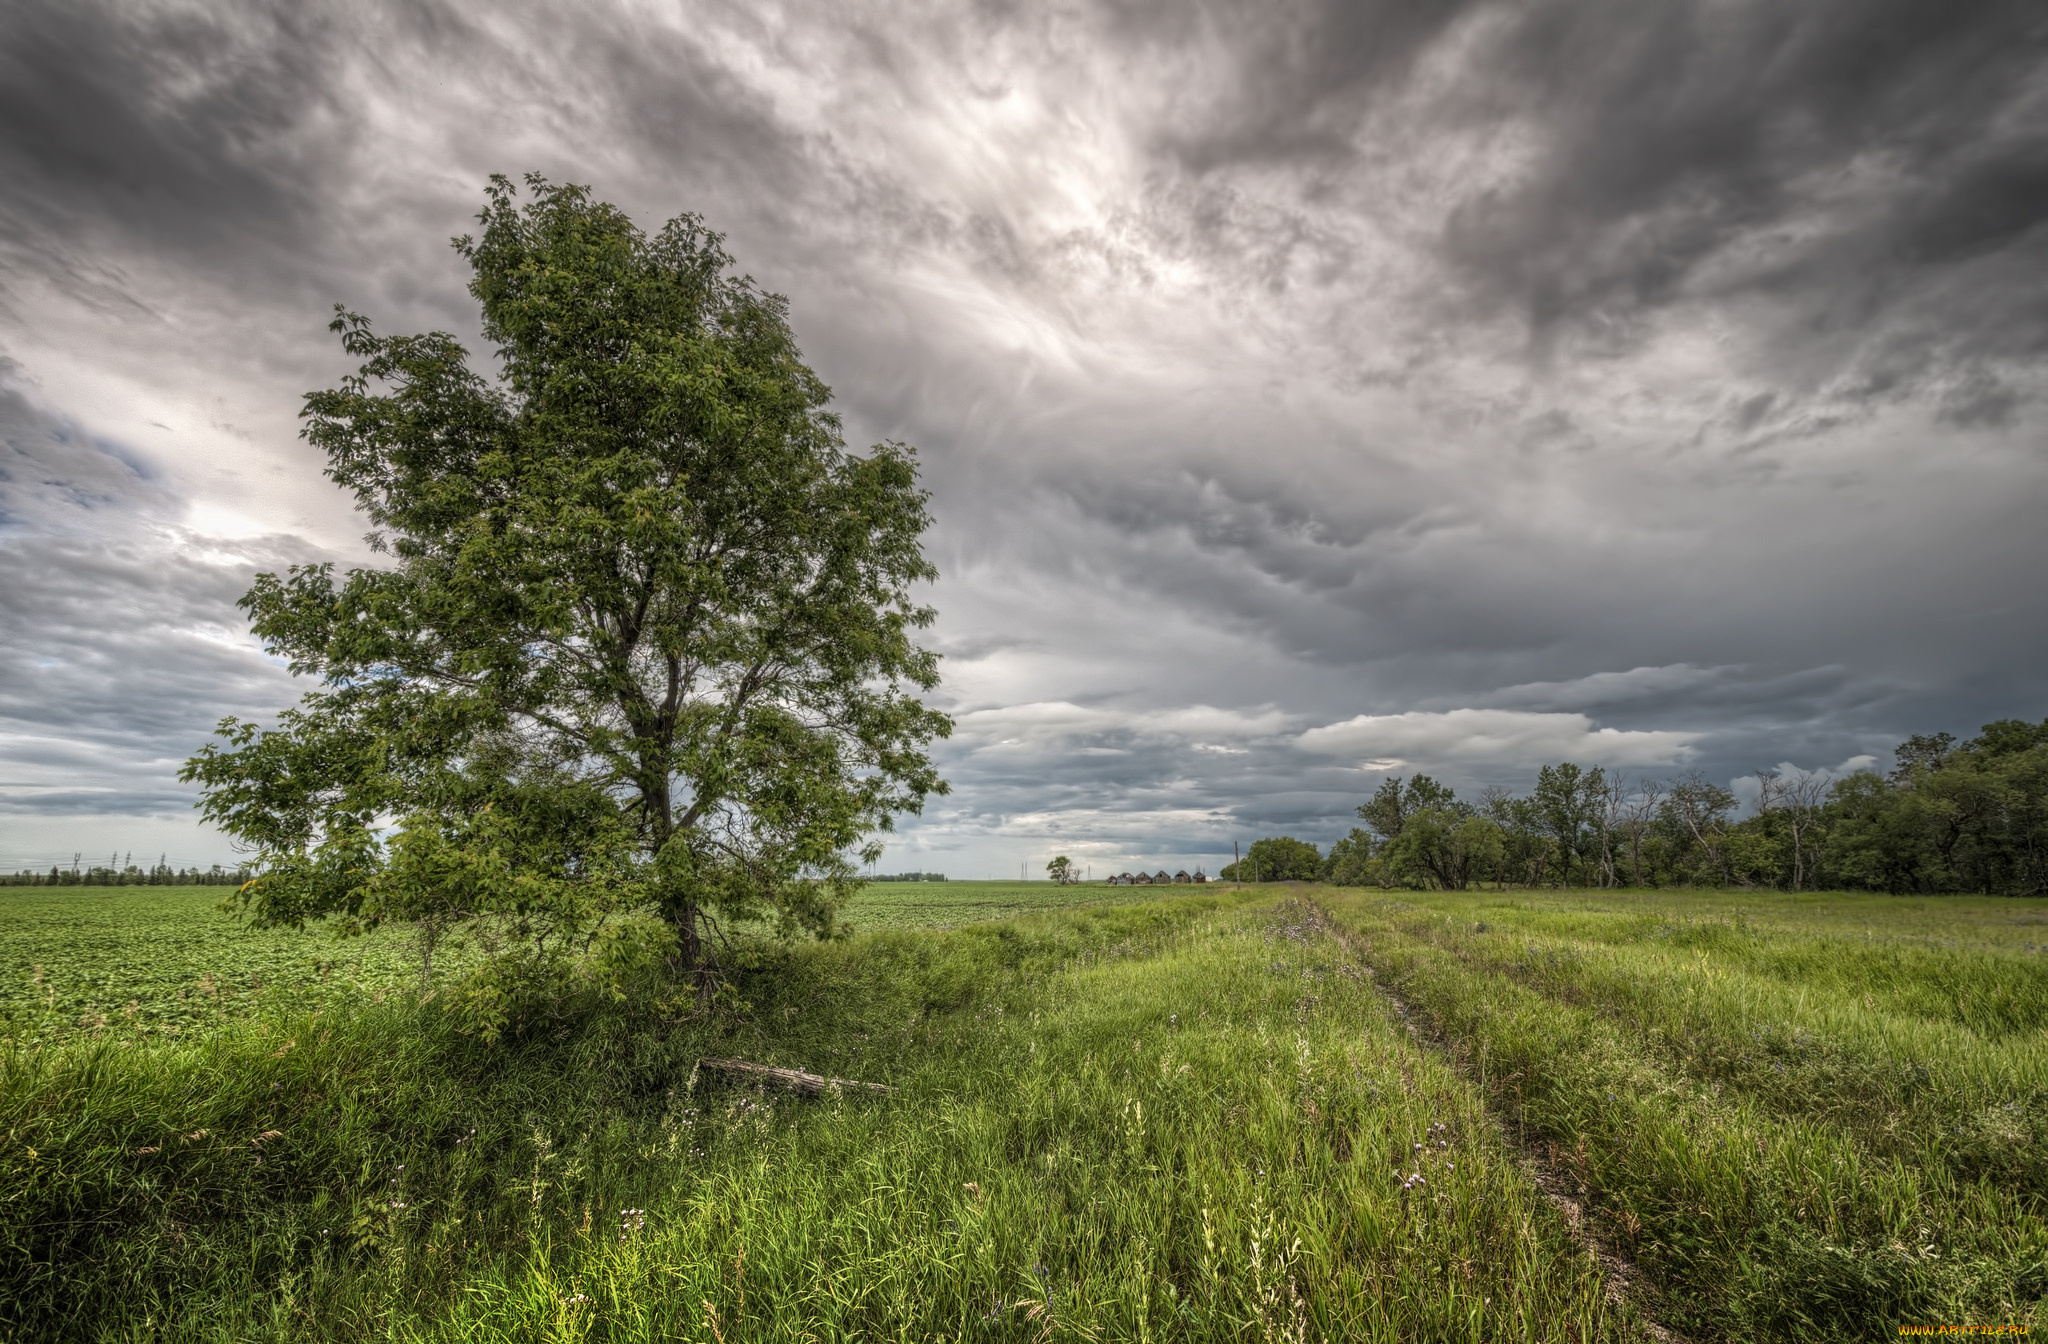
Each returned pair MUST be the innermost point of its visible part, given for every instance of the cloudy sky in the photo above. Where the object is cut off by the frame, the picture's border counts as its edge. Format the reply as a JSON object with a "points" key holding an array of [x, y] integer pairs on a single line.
{"points": [[1308, 392]]}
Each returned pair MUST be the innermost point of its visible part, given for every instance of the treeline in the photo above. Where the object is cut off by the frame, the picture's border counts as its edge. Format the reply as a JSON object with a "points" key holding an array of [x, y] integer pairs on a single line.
{"points": [[157, 875], [1949, 817], [908, 877]]}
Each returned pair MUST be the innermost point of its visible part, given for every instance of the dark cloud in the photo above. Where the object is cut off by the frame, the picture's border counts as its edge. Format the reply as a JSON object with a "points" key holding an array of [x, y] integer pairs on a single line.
{"points": [[189, 134], [1855, 161], [1303, 387]]}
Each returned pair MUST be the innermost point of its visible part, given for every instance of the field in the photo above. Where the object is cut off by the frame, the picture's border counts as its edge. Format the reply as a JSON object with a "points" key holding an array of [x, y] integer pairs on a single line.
{"points": [[1305, 1114], [1799, 1115], [162, 961], [921, 905], [158, 961]]}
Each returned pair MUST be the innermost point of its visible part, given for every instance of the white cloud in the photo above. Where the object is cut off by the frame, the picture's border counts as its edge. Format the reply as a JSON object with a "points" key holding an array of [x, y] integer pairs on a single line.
{"points": [[1492, 737], [1606, 688]]}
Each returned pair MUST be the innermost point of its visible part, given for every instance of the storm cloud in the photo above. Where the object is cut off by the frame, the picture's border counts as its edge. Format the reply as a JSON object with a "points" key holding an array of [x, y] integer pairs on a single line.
{"points": [[1308, 392]]}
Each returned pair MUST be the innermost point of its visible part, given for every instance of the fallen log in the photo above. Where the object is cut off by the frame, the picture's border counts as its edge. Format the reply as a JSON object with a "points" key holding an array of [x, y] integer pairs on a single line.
{"points": [[795, 1080]]}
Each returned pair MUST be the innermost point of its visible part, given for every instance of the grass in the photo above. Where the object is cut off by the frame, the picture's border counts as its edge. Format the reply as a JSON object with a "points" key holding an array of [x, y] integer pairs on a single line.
{"points": [[1187, 1119], [1199, 1116], [145, 962], [919, 905], [1815, 1116], [162, 961]]}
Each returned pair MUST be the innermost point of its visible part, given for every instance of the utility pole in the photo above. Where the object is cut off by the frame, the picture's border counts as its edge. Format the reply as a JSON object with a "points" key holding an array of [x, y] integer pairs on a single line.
{"points": [[1237, 864]]}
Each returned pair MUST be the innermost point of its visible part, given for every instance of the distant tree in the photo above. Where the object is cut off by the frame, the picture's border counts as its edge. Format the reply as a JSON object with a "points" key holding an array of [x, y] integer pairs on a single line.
{"points": [[1447, 848], [1395, 800], [1568, 804], [1350, 861], [1791, 806], [1695, 815], [1949, 817], [1276, 859], [1638, 819], [1060, 870], [644, 642]]}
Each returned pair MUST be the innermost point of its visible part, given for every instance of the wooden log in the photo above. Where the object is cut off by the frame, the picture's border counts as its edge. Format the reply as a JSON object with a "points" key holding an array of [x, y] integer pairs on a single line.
{"points": [[796, 1080]]}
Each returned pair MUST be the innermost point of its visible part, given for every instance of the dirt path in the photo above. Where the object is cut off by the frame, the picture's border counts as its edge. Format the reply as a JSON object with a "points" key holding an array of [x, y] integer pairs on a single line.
{"points": [[1623, 1282]]}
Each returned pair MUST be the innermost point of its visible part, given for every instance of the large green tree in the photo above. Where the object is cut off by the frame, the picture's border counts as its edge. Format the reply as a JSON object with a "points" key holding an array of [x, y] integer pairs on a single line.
{"points": [[1277, 858], [644, 642], [1390, 806]]}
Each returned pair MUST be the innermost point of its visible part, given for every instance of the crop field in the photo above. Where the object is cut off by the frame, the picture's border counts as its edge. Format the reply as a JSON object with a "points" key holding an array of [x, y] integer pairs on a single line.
{"points": [[155, 961], [1269, 1115]]}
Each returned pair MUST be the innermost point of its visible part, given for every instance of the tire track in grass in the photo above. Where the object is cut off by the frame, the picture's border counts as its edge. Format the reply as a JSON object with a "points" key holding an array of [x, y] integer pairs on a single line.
{"points": [[1624, 1284]]}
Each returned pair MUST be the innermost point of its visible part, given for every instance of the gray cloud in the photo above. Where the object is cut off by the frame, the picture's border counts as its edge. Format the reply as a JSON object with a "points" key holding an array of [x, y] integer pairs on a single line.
{"points": [[1479, 380], [120, 645]]}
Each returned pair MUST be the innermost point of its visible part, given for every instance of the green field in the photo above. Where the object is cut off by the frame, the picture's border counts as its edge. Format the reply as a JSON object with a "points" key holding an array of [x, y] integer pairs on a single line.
{"points": [[154, 961], [1812, 1114], [923, 905], [1309, 1114], [157, 961]]}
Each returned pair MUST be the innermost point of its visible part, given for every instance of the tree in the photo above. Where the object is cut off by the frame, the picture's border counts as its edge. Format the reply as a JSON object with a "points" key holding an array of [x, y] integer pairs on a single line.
{"points": [[1525, 849], [1793, 803], [1390, 805], [1969, 817], [1276, 859], [1638, 815], [645, 640], [1350, 861], [1694, 814], [1060, 870], [1446, 848], [1921, 754], [1874, 841], [1567, 801]]}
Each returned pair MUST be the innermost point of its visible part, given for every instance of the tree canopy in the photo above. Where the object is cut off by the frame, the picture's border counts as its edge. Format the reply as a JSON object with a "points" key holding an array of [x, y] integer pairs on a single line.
{"points": [[643, 651], [1279, 858], [1950, 817]]}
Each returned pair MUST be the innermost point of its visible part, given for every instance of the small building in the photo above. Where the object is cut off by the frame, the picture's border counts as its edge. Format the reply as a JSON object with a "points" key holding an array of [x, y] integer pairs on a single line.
{"points": [[1181, 878], [1201, 876], [1161, 879]]}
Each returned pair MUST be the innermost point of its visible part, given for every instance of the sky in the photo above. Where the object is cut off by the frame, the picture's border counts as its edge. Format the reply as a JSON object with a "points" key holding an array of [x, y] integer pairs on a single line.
{"points": [[1308, 393]]}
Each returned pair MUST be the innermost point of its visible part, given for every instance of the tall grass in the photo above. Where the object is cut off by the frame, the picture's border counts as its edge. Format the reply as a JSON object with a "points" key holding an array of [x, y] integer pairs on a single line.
{"points": [[1828, 1123], [1190, 1119]]}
